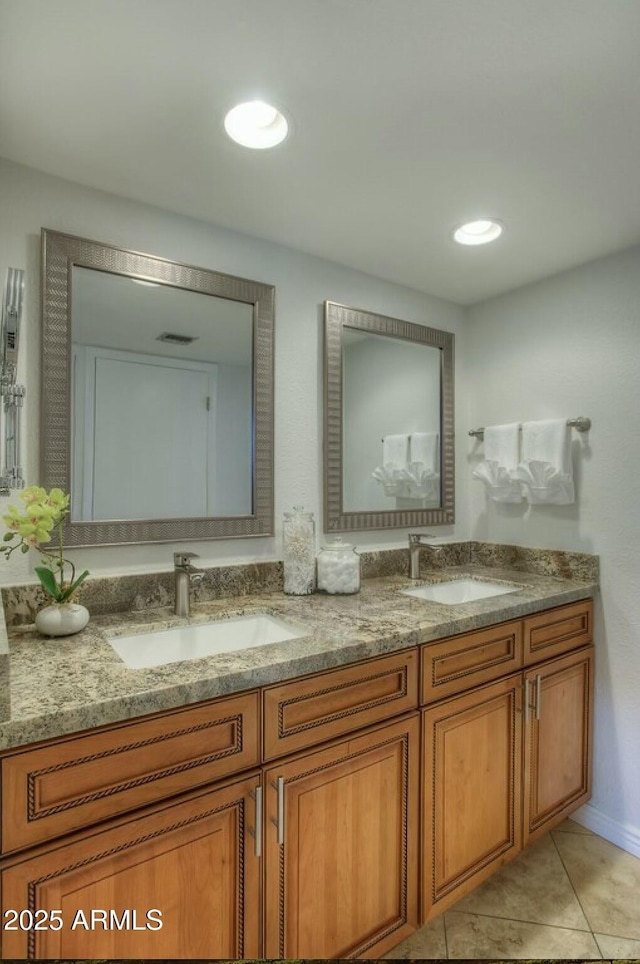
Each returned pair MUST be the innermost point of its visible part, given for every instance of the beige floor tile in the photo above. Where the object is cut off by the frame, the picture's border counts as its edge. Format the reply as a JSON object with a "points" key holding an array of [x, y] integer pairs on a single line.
{"points": [[428, 943], [534, 887], [470, 936], [607, 882], [618, 948], [570, 826]]}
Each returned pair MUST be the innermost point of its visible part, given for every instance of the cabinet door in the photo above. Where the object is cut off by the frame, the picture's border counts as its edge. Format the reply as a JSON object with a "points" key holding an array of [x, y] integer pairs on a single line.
{"points": [[557, 752], [471, 790], [193, 861], [341, 846]]}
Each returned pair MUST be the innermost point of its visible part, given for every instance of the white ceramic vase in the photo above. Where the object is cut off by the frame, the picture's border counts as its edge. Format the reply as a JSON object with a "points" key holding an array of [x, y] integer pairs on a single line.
{"points": [[62, 619]]}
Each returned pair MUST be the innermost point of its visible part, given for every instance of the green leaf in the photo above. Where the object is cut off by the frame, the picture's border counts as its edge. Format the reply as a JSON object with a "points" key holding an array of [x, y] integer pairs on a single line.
{"points": [[48, 581], [8, 536], [69, 591]]}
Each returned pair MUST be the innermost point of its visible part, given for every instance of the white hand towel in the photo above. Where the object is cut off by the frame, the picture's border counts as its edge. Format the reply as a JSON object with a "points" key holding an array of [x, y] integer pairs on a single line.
{"points": [[395, 450], [545, 469], [393, 474], [424, 450], [501, 449], [424, 465]]}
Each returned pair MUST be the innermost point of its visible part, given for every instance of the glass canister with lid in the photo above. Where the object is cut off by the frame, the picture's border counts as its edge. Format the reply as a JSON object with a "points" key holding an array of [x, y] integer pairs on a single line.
{"points": [[338, 568]]}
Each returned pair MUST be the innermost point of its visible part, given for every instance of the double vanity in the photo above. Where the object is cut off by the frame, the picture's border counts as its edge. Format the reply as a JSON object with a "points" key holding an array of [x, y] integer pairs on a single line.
{"points": [[267, 775], [314, 796]]}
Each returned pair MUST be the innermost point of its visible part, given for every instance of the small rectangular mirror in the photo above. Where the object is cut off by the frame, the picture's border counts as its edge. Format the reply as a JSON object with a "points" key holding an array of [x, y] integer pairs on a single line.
{"points": [[388, 385]]}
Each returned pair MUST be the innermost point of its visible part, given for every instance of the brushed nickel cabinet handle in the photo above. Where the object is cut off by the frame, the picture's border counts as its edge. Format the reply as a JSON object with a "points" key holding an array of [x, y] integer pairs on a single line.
{"points": [[280, 811], [258, 833], [538, 690]]}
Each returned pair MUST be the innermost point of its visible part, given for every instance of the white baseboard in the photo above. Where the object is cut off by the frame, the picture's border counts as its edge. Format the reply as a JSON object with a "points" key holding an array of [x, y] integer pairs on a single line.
{"points": [[620, 834]]}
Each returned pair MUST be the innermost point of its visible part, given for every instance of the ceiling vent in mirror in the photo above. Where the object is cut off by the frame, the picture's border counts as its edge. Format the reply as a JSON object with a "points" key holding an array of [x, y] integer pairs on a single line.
{"points": [[174, 339]]}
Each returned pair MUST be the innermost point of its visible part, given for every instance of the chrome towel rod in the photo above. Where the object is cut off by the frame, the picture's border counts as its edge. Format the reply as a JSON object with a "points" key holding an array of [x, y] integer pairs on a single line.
{"points": [[581, 424]]}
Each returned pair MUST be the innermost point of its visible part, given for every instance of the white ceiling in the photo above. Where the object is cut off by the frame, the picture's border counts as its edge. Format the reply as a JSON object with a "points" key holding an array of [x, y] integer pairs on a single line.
{"points": [[409, 117]]}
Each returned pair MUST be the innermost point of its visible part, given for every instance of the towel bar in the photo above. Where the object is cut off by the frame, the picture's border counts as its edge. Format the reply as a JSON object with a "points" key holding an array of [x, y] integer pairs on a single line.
{"points": [[581, 424]]}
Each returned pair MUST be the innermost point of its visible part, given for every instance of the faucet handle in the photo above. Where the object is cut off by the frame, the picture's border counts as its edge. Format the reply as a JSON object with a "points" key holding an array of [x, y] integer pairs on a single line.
{"points": [[183, 558]]}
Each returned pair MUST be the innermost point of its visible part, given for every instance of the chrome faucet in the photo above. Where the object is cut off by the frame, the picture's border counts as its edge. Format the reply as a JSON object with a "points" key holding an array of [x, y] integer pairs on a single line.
{"points": [[186, 576], [417, 540]]}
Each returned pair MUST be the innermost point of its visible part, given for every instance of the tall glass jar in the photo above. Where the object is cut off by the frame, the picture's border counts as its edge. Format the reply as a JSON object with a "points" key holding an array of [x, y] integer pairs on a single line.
{"points": [[338, 568], [299, 552]]}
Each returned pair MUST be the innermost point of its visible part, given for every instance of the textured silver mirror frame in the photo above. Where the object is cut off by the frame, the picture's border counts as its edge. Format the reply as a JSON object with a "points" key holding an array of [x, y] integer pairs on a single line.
{"points": [[60, 252], [336, 317], [12, 393]]}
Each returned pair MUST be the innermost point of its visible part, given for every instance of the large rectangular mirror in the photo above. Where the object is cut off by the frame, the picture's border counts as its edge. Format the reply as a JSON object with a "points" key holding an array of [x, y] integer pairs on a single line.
{"points": [[389, 444], [157, 396]]}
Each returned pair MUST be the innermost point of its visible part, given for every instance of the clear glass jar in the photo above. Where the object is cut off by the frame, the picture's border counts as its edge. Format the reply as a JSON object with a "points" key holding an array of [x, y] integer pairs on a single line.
{"points": [[338, 568], [299, 552]]}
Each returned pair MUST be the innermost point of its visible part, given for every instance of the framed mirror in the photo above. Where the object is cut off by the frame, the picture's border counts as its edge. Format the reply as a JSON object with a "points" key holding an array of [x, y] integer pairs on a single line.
{"points": [[157, 396], [388, 421]]}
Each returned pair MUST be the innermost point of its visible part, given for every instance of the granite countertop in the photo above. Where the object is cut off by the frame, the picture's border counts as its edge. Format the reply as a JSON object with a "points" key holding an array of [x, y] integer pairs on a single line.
{"points": [[66, 685]]}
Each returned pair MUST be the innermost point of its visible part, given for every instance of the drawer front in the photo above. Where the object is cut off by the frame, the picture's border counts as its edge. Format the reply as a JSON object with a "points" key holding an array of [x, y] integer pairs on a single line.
{"points": [[74, 783], [453, 665], [304, 712], [557, 631]]}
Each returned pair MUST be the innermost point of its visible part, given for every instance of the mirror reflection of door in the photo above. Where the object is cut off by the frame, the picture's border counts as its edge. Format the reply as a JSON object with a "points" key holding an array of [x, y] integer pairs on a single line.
{"points": [[127, 402], [162, 402]]}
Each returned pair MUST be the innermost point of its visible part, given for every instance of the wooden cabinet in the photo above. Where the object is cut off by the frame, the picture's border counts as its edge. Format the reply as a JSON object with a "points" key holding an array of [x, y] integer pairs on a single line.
{"points": [[557, 631], [301, 713], [192, 860], [254, 835], [341, 870], [457, 664], [504, 762], [68, 784], [471, 790], [557, 751]]}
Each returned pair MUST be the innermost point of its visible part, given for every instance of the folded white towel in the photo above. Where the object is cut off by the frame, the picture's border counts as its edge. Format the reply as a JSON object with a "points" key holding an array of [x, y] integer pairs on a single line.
{"points": [[393, 474], [424, 467], [496, 472], [545, 469], [395, 450], [425, 450]]}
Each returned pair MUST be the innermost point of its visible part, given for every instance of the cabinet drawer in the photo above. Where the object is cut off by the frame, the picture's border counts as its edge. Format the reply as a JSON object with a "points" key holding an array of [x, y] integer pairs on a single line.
{"points": [[460, 662], [73, 783], [304, 712], [557, 631]]}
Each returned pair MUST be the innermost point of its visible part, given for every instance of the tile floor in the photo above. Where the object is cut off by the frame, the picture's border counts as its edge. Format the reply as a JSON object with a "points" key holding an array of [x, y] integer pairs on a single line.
{"points": [[571, 895]]}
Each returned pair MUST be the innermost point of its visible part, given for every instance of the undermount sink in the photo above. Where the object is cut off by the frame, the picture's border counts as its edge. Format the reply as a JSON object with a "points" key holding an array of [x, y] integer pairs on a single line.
{"points": [[459, 591], [204, 639]]}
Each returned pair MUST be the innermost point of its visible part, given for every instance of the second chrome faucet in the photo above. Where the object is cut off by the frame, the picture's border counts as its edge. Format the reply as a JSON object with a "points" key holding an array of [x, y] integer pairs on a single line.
{"points": [[186, 576], [417, 541]]}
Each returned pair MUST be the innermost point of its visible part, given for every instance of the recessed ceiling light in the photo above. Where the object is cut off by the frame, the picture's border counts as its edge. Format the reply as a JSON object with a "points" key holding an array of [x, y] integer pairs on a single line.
{"points": [[478, 232], [256, 124]]}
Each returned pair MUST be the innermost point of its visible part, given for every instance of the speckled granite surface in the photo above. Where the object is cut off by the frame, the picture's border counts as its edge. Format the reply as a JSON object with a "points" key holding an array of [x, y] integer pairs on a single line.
{"points": [[61, 686], [5, 708], [545, 562], [142, 591]]}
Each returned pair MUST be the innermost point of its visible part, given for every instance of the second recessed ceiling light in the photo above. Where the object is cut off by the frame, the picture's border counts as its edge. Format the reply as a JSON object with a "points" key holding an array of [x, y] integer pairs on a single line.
{"points": [[256, 124], [478, 232]]}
